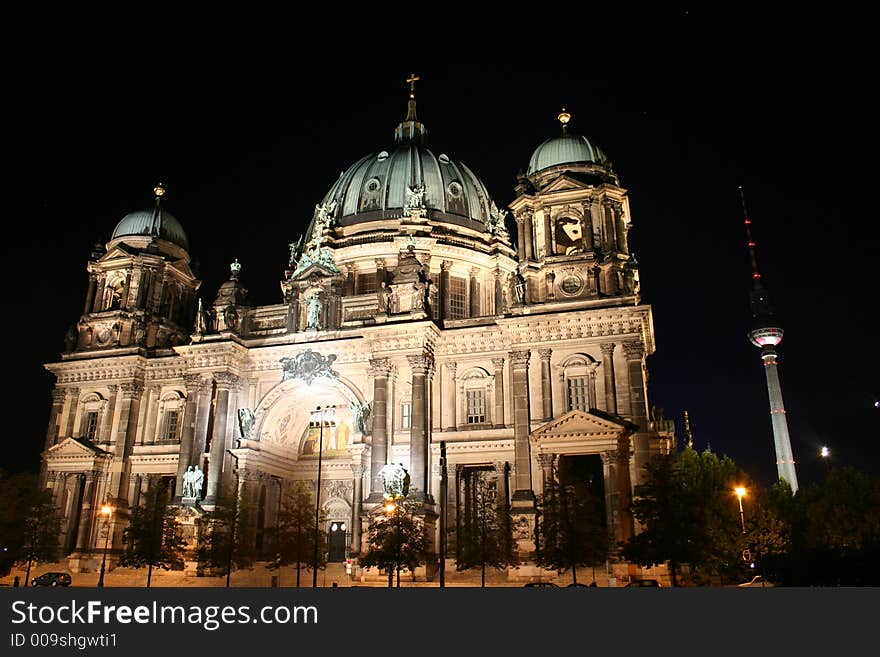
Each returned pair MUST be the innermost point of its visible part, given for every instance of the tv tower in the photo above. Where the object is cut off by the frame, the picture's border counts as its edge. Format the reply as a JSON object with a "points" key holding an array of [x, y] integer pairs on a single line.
{"points": [[766, 334]]}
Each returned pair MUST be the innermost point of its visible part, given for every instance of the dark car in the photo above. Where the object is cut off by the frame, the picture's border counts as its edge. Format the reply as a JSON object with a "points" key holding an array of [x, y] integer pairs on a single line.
{"points": [[540, 585], [51, 579], [636, 583]]}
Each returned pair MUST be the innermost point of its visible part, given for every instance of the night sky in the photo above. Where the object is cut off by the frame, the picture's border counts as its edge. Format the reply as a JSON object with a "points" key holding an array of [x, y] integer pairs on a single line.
{"points": [[249, 122]]}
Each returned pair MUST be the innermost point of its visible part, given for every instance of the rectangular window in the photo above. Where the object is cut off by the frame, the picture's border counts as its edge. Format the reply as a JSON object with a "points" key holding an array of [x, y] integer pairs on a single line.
{"points": [[91, 425], [172, 423], [366, 283], [406, 415], [476, 406], [578, 399], [458, 298]]}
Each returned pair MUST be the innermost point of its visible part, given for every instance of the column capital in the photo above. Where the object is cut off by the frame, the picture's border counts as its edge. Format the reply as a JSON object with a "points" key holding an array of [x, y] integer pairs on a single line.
{"points": [[634, 349], [446, 265], [607, 348], [58, 395], [357, 469], [520, 358], [73, 391], [610, 458], [420, 363], [451, 367], [499, 275], [545, 459], [500, 467], [226, 379], [474, 272], [131, 390], [193, 383], [498, 362], [380, 367], [90, 476], [545, 354], [380, 263], [112, 388]]}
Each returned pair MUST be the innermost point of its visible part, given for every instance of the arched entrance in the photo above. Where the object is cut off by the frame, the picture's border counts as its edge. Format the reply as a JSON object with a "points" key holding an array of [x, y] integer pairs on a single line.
{"points": [[336, 541]]}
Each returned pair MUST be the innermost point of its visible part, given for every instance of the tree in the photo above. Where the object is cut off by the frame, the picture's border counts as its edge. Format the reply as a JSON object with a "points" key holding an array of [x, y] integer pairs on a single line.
{"points": [[294, 534], [570, 532], [397, 538], [29, 526], [154, 537], [485, 540], [690, 516], [227, 539]]}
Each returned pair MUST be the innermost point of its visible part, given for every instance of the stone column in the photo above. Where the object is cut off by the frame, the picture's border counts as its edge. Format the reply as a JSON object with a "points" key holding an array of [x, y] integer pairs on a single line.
{"points": [[546, 461], [418, 441], [225, 382], [587, 226], [546, 384], [618, 492], [634, 350], [498, 416], [548, 233], [193, 384], [499, 292], [109, 411], [529, 233], [380, 368], [123, 302], [90, 295], [357, 471], [203, 416], [474, 293], [57, 404], [85, 513], [151, 412], [608, 369], [445, 268], [451, 396], [520, 237], [550, 285], [99, 295], [73, 400], [128, 417], [519, 362]]}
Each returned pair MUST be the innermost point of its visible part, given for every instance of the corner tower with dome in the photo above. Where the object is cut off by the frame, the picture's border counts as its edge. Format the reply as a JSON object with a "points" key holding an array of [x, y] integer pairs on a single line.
{"points": [[413, 310]]}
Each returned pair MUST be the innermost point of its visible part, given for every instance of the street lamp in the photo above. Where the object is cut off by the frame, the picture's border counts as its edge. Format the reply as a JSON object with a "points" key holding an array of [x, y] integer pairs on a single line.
{"points": [[740, 493], [825, 452], [107, 512], [321, 414]]}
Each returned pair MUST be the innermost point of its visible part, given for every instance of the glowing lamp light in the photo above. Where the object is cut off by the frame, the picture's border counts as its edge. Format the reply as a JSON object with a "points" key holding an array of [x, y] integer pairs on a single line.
{"points": [[390, 507], [740, 492], [825, 452], [106, 509]]}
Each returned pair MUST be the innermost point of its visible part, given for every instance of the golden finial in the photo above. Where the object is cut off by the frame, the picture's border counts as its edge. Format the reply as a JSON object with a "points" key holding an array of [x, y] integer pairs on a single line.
{"points": [[159, 191], [564, 117], [412, 79]]}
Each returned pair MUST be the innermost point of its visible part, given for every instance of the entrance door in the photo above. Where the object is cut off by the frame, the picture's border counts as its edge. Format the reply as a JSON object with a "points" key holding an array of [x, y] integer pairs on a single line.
{"points": [[337, 541]]}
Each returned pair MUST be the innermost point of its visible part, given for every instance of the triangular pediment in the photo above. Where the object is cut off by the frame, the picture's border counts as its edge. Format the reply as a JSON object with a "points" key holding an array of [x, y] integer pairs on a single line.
{"points": [[119, 251], [74, 448], [583, 423], [315, 269], [563, 183]]}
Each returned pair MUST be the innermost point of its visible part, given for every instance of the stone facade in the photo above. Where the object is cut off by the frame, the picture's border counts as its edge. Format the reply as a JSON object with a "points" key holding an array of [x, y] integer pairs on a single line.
{"points": [[417, 324]]}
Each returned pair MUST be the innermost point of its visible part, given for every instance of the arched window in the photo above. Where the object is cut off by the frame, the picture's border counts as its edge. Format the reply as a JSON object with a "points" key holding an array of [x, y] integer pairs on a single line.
{"points": [[579, 376], [171, 416], [568, 236], [476, 387], [92, 407]]}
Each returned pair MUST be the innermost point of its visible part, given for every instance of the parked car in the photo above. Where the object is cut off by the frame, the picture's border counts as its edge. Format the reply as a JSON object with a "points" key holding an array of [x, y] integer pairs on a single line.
{"points": [[637, 583], [540, 585], [51, 579], [756, 581]]}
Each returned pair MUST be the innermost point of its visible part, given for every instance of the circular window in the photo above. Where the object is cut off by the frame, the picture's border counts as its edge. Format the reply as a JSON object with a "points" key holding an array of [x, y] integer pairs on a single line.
{"points": [[373, 185], [444, 158], [382, 156], [454, 189], [571, 284]]}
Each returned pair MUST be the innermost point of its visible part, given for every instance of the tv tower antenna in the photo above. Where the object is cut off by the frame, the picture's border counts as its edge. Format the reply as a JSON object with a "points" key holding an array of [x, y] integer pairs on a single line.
{"points": [[767, 334]]}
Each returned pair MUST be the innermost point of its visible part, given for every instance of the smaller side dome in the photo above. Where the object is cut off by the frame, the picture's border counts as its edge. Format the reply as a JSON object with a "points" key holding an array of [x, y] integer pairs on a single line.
{"points": [[565, 149], [155, 221]]}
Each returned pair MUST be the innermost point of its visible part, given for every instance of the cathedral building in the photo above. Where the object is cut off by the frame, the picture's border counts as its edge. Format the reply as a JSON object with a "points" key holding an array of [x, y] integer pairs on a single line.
{"points": [[414, 310]]}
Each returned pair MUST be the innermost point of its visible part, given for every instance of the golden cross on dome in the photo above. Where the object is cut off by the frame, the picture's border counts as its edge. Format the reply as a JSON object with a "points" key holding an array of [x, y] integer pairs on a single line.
{"points": [[412, 79]]}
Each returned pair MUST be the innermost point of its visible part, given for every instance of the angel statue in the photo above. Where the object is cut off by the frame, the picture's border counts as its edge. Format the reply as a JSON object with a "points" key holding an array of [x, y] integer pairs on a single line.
{"points": [[246, 419]]}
